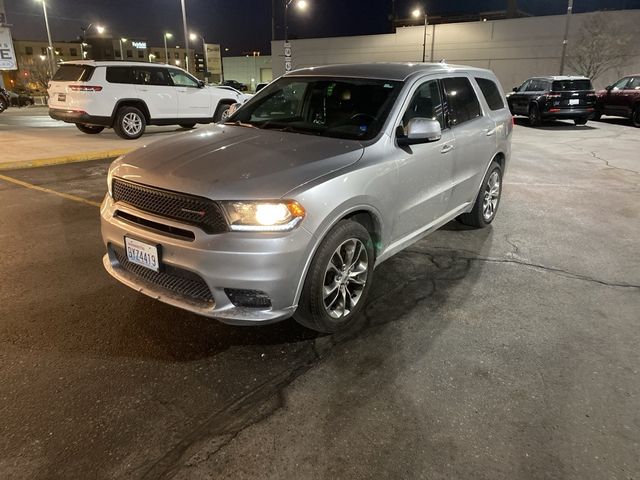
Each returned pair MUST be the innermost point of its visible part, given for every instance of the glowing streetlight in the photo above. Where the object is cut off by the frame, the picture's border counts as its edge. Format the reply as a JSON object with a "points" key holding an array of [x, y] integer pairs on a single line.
{"points": [[166, 51], [193, 37], [100, 29], [417, 13]]}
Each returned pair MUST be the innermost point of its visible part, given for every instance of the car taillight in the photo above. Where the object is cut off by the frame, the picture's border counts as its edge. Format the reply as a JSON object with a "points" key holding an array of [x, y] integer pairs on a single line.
{"points": [[85, 88]]}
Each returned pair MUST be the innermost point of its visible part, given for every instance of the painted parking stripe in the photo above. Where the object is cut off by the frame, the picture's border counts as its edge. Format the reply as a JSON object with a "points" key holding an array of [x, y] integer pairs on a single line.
{"points": [[45, 162], [68, 196]]}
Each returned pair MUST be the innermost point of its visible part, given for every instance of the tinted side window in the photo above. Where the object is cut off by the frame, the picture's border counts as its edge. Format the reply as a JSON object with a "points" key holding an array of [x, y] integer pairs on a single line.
{"points": [[120, 75], [463, 103], [151, 76], [534, 86], [634, 84], [491, 93], [426, 103], [181, 79]]}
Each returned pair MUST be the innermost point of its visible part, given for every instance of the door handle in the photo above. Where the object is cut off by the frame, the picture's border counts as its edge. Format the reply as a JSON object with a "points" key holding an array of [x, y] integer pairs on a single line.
{"points": [[488, 132], [446, 148]]}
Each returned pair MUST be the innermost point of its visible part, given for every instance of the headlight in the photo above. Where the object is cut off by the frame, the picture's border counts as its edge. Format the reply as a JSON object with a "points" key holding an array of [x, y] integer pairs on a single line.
{"points": [[264, 216], [110, 182]]}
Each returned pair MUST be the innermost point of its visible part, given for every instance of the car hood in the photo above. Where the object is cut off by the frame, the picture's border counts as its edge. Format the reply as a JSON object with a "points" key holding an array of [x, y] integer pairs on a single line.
{"points": [[232, 162]]}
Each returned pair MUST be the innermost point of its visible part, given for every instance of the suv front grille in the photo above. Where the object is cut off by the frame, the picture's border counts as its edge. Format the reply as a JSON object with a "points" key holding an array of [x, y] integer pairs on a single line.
{"points": [[176, 280], [198, 211]]}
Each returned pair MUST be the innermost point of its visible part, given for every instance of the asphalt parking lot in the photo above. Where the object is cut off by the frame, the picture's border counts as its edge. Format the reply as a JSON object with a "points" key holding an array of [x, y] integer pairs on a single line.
{"points": [[505, 353]]}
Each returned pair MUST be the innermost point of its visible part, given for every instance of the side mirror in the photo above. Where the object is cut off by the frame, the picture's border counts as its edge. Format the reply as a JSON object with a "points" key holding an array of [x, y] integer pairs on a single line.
{"points": [[421, 130], [515, 89], [608, 88], [200, 83]]}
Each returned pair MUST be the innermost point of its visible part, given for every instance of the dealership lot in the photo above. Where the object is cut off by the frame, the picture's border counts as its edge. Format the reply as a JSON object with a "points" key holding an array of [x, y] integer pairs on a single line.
{"points": [[509, 352]]}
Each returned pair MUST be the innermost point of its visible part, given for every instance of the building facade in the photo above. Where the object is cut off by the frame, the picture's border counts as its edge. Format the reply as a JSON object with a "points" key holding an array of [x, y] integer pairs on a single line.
{"points": [[515, 49]]}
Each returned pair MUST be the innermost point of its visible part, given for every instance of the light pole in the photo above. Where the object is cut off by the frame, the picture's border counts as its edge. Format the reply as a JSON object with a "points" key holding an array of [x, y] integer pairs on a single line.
{"points": [[186, 38], [122, 40], [193, 37], [416, 14], [301, 5], [566, 36], [52, 58], [100, 29], [166, 50]]}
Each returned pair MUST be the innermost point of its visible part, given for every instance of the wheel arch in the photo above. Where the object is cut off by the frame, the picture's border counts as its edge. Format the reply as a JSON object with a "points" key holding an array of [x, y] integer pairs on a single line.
{"points": [[131, 102]]}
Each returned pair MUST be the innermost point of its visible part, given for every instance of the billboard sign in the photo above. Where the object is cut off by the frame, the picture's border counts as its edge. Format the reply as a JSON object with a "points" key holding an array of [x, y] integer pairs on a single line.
{"points": [[213, 59], [7, 54]]}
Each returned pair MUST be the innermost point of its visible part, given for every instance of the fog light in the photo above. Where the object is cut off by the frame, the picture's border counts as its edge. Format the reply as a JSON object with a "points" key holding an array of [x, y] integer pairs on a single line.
{"points": [[248, 298]]}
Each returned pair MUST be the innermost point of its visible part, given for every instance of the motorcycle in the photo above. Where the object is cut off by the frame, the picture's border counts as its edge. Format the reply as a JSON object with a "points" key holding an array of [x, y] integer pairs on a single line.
{"points": [[4, 100]]}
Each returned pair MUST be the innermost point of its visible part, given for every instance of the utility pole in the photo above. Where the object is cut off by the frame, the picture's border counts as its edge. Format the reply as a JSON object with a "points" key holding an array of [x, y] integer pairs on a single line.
{"points": [[566, 36], [186, 35]]}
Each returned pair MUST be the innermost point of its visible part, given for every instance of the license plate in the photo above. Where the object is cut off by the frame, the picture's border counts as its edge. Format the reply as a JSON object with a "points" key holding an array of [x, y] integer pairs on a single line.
{"points": [[142, 253], [574, 101], [62, 97]]}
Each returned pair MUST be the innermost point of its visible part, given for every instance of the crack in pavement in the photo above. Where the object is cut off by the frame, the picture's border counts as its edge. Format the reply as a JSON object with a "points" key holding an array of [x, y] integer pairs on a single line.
{"points": [[605, 161], [559, 271]]}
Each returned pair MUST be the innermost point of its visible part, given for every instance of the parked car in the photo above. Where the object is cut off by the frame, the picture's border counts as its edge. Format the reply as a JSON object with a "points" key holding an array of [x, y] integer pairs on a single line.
{"points": [[235, 84], [621, 99], [5, 101], [288, 207], [128, 96], [20, 99], [555, 97]]}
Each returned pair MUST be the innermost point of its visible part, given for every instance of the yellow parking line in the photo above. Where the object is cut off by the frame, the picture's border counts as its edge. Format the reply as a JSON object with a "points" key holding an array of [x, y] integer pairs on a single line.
{"points": [[47, 190], [81, 157]]}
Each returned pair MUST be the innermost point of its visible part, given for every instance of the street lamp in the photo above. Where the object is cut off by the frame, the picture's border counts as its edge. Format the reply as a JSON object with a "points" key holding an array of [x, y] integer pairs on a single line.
{"points": [[417, 13], [50, 51], [166, 51], [193, 37], [99, 28], [122, 40], [300, 5]]}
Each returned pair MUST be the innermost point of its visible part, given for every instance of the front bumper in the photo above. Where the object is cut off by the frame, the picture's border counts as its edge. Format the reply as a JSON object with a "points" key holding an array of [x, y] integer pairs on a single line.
{"points": [[272, 263], [78, 116]]}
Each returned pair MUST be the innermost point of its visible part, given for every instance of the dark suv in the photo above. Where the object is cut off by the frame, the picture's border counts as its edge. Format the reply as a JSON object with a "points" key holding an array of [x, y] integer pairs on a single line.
{"points": [[622, 99], [564, 97]]}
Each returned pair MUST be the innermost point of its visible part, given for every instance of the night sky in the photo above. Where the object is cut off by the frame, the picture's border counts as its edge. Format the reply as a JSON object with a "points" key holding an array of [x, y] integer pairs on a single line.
{"points": [[245, 25]]}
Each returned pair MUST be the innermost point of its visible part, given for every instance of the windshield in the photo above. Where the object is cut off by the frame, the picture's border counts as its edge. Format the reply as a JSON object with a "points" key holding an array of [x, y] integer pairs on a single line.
{"points": [[333, 107], [560, 85]]}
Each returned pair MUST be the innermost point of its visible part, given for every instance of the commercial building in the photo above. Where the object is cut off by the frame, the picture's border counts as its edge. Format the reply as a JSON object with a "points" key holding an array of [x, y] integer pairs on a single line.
{"points": [[514, 49]]}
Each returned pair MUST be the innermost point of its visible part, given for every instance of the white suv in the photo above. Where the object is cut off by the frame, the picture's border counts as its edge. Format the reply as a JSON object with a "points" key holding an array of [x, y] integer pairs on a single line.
{"points": [[128, 96]]}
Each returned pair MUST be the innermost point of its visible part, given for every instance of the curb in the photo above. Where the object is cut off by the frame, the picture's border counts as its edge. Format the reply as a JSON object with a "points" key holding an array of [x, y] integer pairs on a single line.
{"points": [[81, 157]]}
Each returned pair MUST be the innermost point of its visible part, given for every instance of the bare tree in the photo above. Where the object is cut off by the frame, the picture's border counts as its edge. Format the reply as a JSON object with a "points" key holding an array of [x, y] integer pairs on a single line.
{"points": [[40, 75], [598, 48]]}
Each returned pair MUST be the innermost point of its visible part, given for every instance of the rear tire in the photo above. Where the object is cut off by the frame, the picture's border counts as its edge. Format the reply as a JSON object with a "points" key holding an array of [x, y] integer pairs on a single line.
{"points": [[130, 123], [338, 280], [580, 121], [188, 126], [635, 116], [534, 116], [487, 201], [89, 129], [222, 113]]}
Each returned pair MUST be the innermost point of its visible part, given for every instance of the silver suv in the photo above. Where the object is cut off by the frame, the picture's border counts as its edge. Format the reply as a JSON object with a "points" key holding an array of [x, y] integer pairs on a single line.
{"points": [[287, 208]]}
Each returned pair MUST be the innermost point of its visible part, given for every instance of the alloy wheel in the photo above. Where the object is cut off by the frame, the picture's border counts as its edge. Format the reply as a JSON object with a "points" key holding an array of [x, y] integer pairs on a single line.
{"points": [[132, 124], [491, 196], [345, 278]]}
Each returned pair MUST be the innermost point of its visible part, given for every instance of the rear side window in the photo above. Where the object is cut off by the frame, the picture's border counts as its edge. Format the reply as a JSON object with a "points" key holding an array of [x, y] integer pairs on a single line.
{"points": [[560, 85], [74, 73], [462, 100], [491, 93], [119, 75]]}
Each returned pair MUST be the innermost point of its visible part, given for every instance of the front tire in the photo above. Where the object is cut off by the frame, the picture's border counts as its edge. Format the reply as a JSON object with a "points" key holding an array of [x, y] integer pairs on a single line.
{"points": [[487, 201], [130, 123], [534, 116], [338, 280], [222, 113], [89, 129]]}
